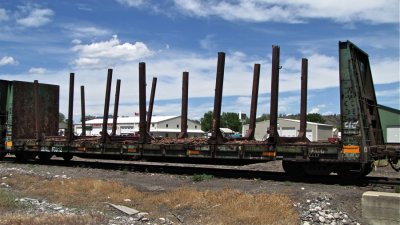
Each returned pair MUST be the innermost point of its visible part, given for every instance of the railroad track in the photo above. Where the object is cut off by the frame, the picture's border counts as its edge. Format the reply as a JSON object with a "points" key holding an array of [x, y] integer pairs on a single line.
{"points": [[217, 171]]}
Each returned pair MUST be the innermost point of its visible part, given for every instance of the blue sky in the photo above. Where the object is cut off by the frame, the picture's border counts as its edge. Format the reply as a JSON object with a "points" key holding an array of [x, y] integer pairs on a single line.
{"points": [[46, 40]]}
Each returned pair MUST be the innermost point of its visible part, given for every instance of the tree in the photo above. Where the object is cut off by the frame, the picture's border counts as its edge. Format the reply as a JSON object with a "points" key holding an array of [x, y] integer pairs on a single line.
{"points": [[61, 118], [89, 117], [315, 117], [228, 119], [206, 121], [231, 121], [263, 117]]}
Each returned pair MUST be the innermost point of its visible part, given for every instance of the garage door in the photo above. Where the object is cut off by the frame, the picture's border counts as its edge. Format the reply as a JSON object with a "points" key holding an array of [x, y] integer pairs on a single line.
{"points": [[288, 132], [393, 135]]}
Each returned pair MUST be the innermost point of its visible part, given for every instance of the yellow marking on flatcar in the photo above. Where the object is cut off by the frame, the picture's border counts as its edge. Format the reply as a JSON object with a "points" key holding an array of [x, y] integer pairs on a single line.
{"points": [[193, 152], [82, 149], [9, 144], [353, 149], [269, 154]]}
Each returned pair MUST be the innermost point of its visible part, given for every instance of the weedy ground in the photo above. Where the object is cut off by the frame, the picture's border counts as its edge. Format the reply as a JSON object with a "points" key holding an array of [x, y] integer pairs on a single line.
{"points": [[226, 206]]}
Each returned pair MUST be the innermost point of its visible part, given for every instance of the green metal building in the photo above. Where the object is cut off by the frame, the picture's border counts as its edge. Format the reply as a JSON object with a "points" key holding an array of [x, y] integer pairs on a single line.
{"points": [[390, 120]]}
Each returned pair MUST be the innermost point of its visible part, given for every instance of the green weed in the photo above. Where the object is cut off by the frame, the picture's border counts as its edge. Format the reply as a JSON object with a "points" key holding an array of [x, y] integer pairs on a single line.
{"points": [[201, 177]]}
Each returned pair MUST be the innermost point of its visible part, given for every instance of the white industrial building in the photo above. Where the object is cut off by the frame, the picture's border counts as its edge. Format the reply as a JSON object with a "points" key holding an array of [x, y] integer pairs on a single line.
{"points": [[290, 128], [161, 126]]}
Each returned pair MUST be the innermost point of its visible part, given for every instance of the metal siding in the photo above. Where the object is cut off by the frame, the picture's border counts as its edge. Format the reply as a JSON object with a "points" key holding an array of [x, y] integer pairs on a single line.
{"points": [[24, 108], [388, 119], [309, 135]]}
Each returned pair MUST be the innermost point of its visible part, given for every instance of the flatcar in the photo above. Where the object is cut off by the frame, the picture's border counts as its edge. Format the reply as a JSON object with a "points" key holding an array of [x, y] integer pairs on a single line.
{"points": [[29, 123]]}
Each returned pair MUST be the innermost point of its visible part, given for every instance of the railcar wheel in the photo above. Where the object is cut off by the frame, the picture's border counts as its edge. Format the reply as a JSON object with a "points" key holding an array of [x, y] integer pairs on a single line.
{"points": [[45, 156], [351, 173], [293, 169], [67, 157], [317, 169], [367, 169], [24, 156]]}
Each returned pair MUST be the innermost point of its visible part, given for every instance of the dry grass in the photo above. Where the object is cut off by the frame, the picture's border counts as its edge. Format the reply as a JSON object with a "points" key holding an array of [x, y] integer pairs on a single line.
{"points": [[198, 207], [7, 201], [48, 219]]}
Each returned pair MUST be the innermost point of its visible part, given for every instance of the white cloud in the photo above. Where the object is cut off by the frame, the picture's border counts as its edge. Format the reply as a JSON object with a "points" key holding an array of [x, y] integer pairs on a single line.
{"points": [[287, 104], [108, 53], [395, 93], [7, 60], [35, 17], [76, 42], [208, 42], [385, 70], [322, 72], [131, 3], [79, 31], [294, 11], [37, 70], [315, 110], [3, 15]]}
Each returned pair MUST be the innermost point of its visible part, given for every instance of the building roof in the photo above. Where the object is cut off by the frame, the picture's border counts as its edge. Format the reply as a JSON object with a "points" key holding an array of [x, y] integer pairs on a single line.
{"points": [[176, 130], [311, 123], [297, 121], [131, 119], [226, 130], [387, 108]]}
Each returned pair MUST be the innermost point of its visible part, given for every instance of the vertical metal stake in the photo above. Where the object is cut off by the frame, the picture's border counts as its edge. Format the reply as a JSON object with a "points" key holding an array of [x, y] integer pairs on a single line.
{"points": [[104, 133], [116, 104], [142, 102], [184, 110], [71, 107], [254, 99], [303, 100], [151, 104], [83, 118], [273, 133]]}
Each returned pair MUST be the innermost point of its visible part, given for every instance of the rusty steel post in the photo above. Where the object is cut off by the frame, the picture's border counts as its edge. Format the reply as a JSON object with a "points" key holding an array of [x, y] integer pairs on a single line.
{"points": [[303, 101], [142, 102], [273, 132], [116, 104], [151, 104], [36, 97], [216, 137], [104, 133], [71, 107], [254, 98], [83, 116], [184, 110]]}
